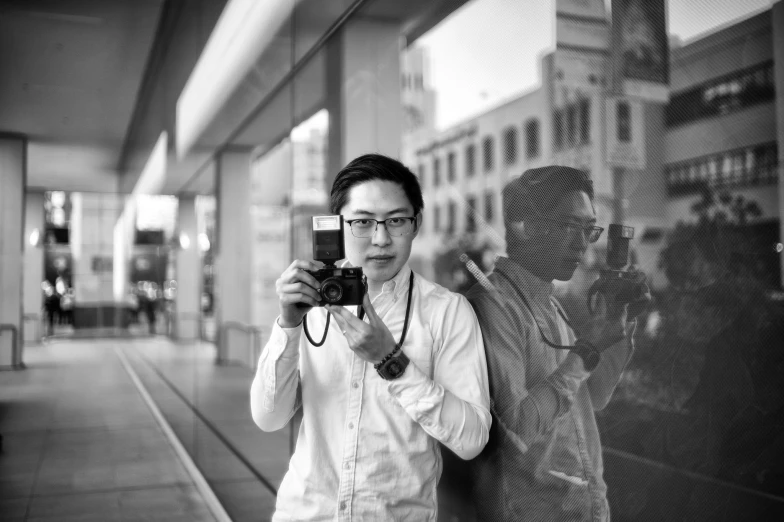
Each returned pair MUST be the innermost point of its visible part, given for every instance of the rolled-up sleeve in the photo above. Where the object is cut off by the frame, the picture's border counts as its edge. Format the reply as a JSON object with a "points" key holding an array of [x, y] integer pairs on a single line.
{"points": [[454, 406], [274, 392]]}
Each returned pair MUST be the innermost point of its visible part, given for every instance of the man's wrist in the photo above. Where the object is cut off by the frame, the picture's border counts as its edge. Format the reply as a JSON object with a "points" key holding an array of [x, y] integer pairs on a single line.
{"points": [[589, 354], [287, 324]]}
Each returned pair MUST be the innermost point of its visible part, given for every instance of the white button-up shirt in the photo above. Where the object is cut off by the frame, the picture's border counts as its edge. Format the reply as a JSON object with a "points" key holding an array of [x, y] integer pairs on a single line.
{"points": [[367, 448]]}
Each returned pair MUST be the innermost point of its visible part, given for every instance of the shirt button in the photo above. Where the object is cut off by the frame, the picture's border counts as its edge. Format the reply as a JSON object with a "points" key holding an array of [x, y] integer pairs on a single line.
{"points": [[347, 465], [351, 425], [342, 506], [355, 384]]}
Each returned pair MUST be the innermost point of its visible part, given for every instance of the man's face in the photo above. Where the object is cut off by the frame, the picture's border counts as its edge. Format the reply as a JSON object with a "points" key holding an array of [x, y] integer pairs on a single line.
{"points": [[551, 248], [382, 255]]}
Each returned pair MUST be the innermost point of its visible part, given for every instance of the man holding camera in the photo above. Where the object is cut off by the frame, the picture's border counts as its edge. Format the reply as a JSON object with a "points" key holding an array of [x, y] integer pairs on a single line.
{"points": [[380, 393], [544, 459]]}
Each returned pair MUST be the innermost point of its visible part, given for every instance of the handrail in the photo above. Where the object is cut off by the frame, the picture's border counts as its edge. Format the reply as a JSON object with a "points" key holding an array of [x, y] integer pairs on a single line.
{"points": [[255, 336], [16, 354]]}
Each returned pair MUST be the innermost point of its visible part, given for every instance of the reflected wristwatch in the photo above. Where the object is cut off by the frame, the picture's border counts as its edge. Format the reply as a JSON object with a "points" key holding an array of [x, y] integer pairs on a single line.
{"points": [[588, 353]]}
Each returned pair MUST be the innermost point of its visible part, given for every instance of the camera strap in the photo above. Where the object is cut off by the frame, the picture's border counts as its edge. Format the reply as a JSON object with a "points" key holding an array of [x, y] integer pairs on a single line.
{"points": [[530, 309]]}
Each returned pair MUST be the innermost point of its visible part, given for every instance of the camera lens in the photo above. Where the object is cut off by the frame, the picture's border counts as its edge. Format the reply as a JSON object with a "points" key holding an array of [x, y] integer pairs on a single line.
{"points": [[331, 291]]}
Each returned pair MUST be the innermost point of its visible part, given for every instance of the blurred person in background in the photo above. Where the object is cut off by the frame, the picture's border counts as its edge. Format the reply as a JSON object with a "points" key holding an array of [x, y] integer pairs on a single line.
{"points": [[544, 458], [381, 393]]}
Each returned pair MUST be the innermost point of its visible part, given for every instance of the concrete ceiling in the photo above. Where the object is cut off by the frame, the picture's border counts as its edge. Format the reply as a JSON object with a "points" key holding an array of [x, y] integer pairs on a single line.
{"points": [[80, 79], [70, 72]]}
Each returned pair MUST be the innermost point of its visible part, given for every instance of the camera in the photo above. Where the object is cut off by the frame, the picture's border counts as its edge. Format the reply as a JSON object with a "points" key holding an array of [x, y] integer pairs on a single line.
{"points": [[617, 285], [339, 286]]}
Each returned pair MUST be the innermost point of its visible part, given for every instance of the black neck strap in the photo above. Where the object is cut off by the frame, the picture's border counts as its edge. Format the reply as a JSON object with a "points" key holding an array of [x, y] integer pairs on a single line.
{"points": [[530, 309]]}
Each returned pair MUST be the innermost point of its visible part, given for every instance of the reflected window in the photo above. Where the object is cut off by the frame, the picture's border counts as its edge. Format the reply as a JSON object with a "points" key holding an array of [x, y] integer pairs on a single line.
{"points": [[421, 173], [450, 167], [470, 159], [471, 214], [437, 219], [585, 121], [451, 217], [487, 154], [510, 146], [436, 172], [532, 138], [489, 210]]}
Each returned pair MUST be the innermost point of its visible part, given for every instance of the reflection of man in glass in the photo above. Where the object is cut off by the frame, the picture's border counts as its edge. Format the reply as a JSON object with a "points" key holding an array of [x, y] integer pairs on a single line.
{"points": [[544, 458]]}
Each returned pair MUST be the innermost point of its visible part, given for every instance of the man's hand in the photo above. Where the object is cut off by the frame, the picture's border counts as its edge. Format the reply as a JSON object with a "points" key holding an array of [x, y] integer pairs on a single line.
{"points": [[297, 293], [608, 325], [372, 341]]}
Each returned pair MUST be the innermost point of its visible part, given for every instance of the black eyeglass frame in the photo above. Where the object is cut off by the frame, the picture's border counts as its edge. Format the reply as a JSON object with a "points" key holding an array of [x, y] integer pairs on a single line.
{"points": [[350, 222], [569, 227]]}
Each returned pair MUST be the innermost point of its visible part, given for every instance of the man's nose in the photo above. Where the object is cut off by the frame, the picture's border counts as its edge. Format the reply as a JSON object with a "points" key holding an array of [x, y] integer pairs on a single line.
{"points": [[381, 236]]}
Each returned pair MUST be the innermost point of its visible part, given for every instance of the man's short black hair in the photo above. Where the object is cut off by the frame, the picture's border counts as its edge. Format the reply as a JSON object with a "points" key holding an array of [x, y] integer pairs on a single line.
{"points": [[371, 167], [538, 190]]}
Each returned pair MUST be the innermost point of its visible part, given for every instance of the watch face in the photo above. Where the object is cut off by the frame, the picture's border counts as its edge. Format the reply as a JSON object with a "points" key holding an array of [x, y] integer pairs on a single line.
{"points": [[394, 368]]}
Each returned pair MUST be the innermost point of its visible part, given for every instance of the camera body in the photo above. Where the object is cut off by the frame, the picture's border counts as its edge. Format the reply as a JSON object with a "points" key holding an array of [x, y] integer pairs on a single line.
{"points": [[339, 286], [618, 285]]}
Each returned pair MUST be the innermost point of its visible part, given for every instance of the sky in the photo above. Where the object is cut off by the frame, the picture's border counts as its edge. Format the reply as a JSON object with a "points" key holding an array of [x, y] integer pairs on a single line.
{"points": [[489, 50]]}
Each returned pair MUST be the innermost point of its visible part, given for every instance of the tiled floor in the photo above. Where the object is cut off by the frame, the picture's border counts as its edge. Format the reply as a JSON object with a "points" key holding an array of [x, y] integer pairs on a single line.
{"points": [[80, 443]]}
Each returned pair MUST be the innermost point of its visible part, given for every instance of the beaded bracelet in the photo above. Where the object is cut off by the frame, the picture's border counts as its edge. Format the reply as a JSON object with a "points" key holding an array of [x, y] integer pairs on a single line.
{"points": [[388, 357]]}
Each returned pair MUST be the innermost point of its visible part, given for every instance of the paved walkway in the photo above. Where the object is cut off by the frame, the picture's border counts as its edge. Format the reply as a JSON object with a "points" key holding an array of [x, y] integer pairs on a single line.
{"points": [[81, 440]]}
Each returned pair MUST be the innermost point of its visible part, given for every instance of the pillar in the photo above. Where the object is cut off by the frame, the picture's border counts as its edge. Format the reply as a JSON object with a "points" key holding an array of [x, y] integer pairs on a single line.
{"points": [[13, 173], [777, 21], [232, 254], [363, 92], [33, 272], [187, 272]]}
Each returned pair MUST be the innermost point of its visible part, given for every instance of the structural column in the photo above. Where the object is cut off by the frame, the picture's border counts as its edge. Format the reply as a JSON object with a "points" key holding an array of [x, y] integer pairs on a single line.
{"points": [[777, 14], [363, 92], [232, 258], [188, 272], [33, 271], [13, 150]]}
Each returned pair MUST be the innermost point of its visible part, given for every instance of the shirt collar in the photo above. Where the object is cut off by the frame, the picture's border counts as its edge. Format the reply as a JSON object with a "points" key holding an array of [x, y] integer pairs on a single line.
{"points": [[535, 286]]}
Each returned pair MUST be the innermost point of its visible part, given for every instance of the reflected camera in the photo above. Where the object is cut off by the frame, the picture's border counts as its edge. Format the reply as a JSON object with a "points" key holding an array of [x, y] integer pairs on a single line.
{"points": [[339, 286], [618, 285]]}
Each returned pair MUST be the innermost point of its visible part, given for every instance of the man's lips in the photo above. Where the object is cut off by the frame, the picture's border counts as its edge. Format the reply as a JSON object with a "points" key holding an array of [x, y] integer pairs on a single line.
{"points": [[381, 257]]}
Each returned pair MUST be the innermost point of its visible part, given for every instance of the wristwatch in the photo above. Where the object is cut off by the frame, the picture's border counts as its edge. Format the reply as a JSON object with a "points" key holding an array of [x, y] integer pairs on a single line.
{"points": [[393, 365], [588, 353]]}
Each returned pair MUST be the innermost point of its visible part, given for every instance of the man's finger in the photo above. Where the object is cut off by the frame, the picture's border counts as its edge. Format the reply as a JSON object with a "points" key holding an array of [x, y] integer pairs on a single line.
{"points": [[369, 310], [349, 319]]}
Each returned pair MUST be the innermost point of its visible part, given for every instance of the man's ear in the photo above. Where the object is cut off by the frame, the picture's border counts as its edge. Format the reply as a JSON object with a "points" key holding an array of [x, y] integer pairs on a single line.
{"points": [[418, 223], [520, 228]]}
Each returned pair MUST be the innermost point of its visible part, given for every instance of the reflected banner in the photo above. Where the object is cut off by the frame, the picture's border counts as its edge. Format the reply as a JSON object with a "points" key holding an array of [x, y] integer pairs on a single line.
{"points": [[640, 48]]}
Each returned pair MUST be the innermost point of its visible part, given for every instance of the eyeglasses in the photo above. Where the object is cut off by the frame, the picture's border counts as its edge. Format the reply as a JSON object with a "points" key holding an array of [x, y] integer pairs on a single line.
{"points": [[396, 226], [591, 234]]}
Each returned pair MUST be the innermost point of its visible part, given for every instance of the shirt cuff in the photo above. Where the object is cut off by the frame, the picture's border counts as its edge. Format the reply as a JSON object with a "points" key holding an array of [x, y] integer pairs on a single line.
{"points": [[566, 380], [284, 342], [411, 386]]}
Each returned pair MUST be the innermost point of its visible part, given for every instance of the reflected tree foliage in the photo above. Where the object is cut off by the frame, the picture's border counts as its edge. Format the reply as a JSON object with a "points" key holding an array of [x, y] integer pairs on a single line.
{"points": [[705, 389]]}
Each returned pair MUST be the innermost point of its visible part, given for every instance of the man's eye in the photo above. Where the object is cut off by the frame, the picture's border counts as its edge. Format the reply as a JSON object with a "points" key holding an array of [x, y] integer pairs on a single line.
{"points": [[395, 222], [362, 222]]}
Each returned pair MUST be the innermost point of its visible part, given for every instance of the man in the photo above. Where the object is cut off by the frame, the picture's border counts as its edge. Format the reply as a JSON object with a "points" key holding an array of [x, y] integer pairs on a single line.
{"points": [[544, 460], [368, 444]]}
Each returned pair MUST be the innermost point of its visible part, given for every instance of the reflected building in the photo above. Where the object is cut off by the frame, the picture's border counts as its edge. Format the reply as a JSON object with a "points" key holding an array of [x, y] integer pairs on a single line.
{"points": [[720, 130]]}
